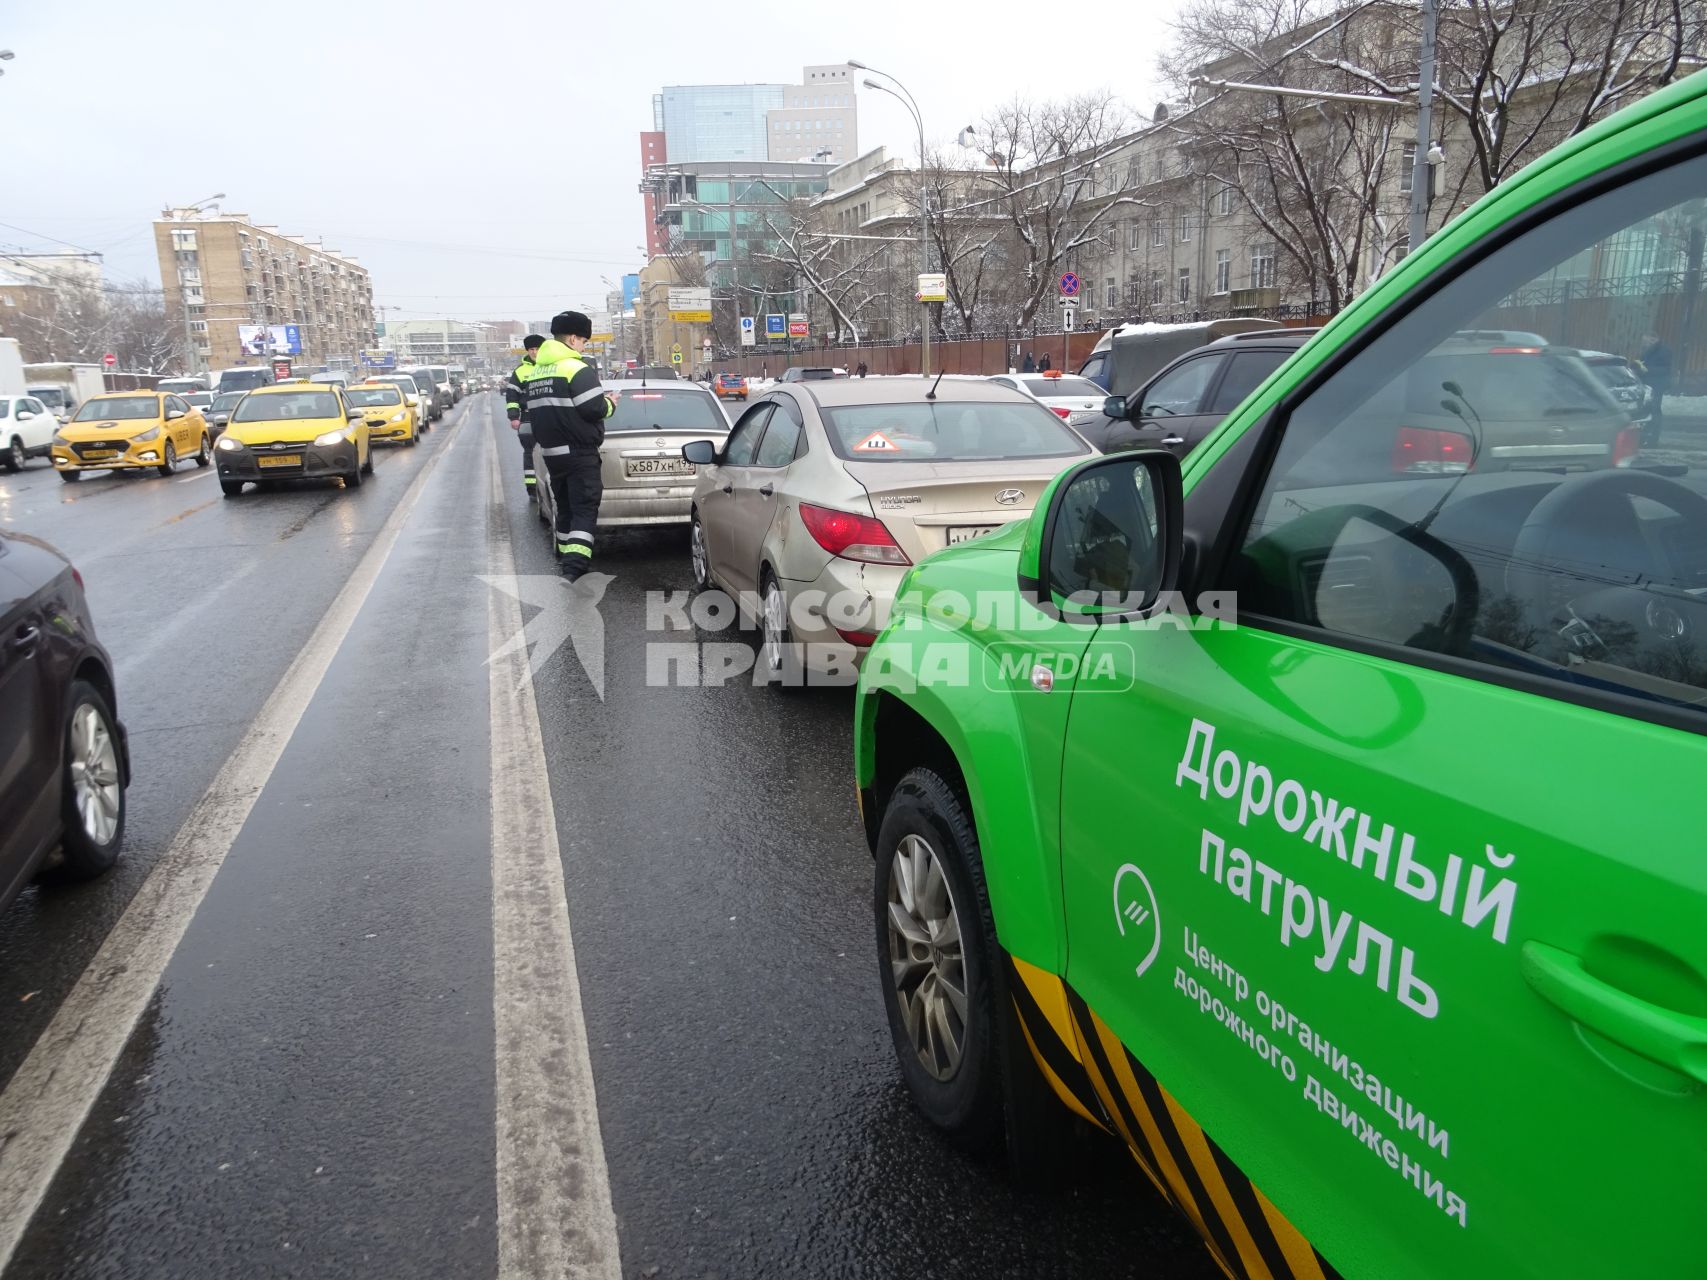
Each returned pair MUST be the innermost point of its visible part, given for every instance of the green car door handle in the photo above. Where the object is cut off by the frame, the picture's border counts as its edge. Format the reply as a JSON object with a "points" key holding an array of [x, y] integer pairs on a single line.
{"points": [[1672, 1039]]}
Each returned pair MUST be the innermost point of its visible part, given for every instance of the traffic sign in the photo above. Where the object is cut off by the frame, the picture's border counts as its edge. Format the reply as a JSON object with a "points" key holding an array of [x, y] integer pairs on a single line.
{"points": [[749, 334], [776, 325], [676, 356], [1069, 285], [109, 359], [675, 348], [1069, 319]]}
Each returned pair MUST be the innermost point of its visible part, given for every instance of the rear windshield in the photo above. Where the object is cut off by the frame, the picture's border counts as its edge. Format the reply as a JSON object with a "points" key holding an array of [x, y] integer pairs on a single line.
{"points": [[1503, 384], [201, 399], [243, 379], [181, 384], [812, 375], [226, 403], [405, 382], [287, 404], [948, 431], [372, 397], [123, 408], [664, 409], [1062, 387]]}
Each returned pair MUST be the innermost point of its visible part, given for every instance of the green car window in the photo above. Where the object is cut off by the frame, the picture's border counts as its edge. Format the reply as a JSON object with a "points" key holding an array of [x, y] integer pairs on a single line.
{"points": [[1467, 485]]}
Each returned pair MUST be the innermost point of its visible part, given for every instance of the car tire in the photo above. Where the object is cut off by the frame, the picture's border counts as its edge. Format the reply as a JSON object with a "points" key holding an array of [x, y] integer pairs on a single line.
{"points": [[414, 438], [15, 455], [367, 467], [230, 488], [204, 455], [71, 477], [169, 460], [91, 785], [928, 883], [779, 659], [353, 479], [699, 555]]}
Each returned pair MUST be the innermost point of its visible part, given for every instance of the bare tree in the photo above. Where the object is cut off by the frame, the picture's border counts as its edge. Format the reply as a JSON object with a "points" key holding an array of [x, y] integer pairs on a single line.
{"points": [[851, 276], [142, 336], [1044, 162], [67, 318], [1309, 172]]}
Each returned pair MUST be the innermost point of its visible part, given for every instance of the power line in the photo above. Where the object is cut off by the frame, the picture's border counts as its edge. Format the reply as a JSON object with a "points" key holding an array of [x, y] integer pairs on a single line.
{"points": [[36, 235]]}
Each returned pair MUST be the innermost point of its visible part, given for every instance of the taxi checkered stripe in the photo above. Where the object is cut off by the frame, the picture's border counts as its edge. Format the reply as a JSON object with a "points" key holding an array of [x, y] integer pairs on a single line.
{"points": [[1096, 1076]]}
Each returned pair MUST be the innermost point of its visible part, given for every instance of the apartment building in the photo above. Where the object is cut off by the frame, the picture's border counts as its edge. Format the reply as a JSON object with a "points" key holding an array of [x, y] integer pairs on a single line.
{"points": [[818, 119], [224, 274]]}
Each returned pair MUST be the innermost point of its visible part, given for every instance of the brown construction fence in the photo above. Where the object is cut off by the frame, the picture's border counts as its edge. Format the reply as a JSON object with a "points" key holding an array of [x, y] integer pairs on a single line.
{"points": [[1066, 351]]}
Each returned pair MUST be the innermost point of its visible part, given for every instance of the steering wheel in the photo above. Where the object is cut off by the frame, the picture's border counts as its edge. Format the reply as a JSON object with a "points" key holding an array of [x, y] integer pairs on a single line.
{"points": [[1562, 530], [1599, 500]]}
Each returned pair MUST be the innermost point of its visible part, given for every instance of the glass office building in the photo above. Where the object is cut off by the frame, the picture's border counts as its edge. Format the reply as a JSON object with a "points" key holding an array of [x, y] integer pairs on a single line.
{"points": [[716, 121]]}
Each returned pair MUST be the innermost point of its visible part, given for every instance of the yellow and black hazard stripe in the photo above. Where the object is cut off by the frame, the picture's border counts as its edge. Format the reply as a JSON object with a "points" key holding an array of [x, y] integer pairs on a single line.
{"points": [[1090, 1069]]}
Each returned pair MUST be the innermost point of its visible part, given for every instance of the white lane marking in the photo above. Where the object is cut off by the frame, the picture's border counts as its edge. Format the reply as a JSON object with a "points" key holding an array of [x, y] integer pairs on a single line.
{"points": [[555, 1218], [47, 1100], [201, 472]]}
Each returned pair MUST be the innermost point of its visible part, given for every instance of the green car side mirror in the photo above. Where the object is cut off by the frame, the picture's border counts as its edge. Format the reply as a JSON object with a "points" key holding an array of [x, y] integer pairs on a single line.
{"points": [[1105, 539]]}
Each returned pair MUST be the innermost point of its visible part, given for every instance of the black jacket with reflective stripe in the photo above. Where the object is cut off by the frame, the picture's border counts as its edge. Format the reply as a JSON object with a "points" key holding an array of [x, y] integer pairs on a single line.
{"points": [[515, 389], [566, 406]]}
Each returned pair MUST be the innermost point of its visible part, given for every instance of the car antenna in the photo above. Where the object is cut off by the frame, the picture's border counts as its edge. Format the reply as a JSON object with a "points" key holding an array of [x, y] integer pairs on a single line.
{"points": [[931, 394]]}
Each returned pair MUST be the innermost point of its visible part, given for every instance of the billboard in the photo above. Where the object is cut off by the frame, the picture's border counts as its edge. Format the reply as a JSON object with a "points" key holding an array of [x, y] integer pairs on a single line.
{"points": [[270, 339], [630, 290], [933, 287], [798, 326], [373, 358]]}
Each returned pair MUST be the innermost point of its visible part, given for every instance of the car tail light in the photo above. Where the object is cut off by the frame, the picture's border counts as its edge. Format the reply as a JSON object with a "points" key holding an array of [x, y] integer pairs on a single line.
{"points": [[1060, 412], [77, 577], [861, 639], [1424, 451], [1627, 446], [852, 536]]}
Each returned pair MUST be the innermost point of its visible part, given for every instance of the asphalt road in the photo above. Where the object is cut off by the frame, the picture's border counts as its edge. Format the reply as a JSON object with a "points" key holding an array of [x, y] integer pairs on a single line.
{"points": [[339, 1057]]}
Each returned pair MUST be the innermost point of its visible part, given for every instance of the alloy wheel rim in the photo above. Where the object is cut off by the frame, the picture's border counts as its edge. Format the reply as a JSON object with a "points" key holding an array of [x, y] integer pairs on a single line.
{"points": [[696, 543], [776, 624], [927, 963], [94, 774]]}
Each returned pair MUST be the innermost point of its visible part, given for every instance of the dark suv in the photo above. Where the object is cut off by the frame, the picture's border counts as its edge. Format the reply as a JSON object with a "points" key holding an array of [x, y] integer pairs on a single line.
{"points": [[1183, 403]]}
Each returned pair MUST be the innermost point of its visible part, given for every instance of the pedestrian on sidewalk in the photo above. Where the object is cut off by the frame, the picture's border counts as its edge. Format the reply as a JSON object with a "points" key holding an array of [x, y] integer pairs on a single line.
{"points": [[1656, 365], [1030, 365]]}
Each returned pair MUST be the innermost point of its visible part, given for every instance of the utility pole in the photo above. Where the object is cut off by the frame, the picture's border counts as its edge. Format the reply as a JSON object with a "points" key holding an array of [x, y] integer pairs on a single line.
{"points": [[1422, 172]]}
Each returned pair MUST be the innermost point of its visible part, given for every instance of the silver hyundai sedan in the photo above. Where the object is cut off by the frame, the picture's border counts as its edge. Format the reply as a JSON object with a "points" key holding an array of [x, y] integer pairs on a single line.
{"points": [[646, 480], [826, 492]]}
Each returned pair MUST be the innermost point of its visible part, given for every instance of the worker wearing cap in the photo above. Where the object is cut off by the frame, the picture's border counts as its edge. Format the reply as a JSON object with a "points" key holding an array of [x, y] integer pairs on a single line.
{"points": [[567, 408], [516, 405]]}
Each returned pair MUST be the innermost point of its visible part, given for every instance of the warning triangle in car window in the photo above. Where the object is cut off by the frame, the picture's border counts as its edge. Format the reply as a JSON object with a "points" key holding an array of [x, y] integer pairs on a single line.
{"points": [[876, 442]]}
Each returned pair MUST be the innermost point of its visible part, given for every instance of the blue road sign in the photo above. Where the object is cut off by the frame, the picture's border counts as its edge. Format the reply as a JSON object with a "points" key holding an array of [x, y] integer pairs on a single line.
{"points": [[776, 326], [1069, 285]]}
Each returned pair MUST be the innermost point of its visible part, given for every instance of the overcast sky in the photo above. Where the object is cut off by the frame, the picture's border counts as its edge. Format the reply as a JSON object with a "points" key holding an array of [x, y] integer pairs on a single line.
{"points": [[481, 162]]}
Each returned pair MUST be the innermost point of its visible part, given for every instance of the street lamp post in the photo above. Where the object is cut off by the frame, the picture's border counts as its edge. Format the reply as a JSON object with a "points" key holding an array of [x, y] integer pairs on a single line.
{"points": [[905, 98]]}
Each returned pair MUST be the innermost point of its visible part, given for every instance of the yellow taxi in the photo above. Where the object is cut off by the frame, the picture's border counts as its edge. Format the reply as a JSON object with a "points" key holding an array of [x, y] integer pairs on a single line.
{"points": [[389, 414], [129, 431], [292, 431]]}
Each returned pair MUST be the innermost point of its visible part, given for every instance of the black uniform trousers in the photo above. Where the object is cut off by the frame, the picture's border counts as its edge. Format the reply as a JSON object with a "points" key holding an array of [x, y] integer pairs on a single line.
{"points": [[525, 434], [576, 490]]}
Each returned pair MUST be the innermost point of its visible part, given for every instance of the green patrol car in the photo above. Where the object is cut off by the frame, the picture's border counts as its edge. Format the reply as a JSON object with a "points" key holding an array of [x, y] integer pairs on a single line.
{"points": [[1319, 816]]}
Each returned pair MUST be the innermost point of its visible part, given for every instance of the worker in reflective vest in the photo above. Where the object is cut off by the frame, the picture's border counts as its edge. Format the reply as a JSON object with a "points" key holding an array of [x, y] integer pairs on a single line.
{"points": [[568, 408], [516, 405]]}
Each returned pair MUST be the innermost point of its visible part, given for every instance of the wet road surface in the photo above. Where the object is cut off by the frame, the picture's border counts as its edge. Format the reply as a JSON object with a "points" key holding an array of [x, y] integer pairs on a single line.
{"points": [[311, 1086]]}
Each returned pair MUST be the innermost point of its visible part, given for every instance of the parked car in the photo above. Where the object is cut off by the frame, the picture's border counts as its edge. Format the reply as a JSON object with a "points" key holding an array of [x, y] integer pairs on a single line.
{"points": [[646, 480], [435, 388], [294, 431], [1187, 399], [220, 412], [1618, 375], [1332, 914], [180, 386], [390, 416], [426, 408], [202, 401], [64, 762], [26, 430], [730, 386], [1129, 355], [131, 430], [807, 373], [826, 493], [1072, 398], [243, 378]]}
